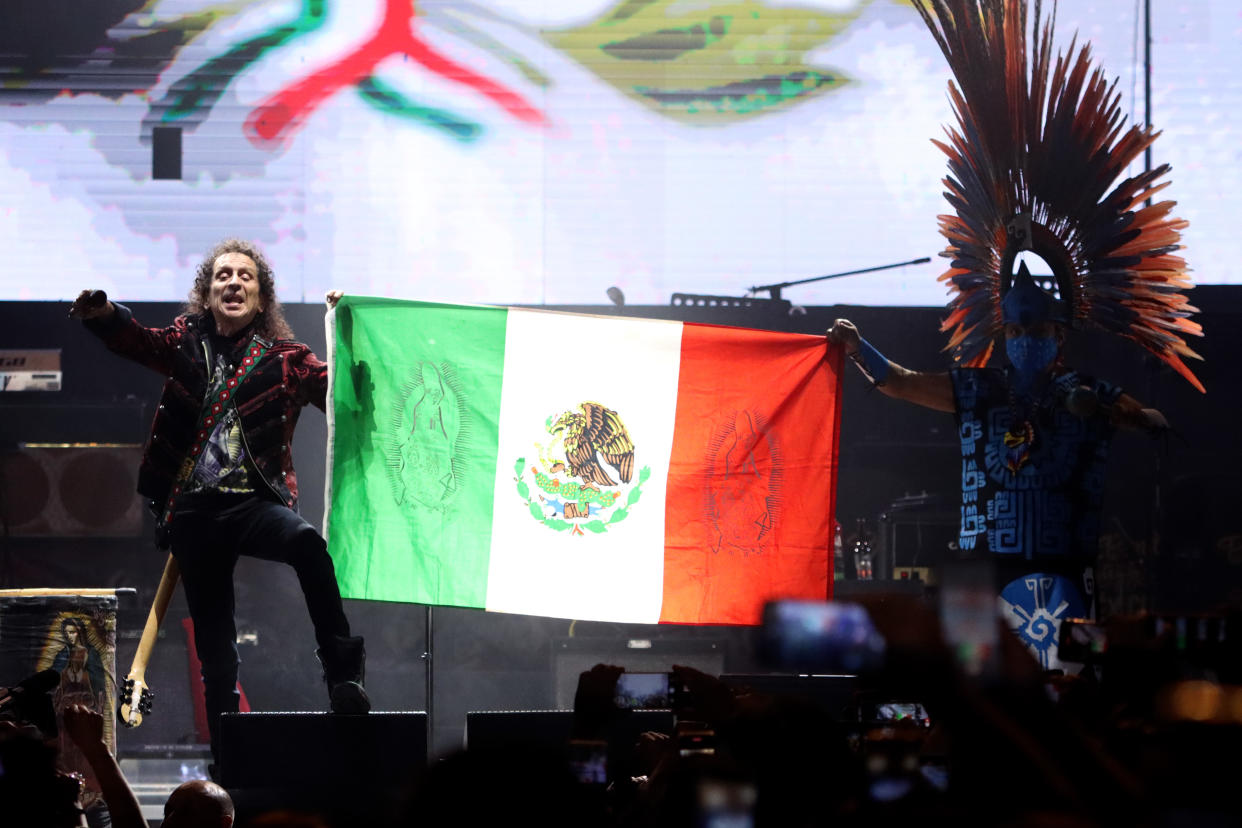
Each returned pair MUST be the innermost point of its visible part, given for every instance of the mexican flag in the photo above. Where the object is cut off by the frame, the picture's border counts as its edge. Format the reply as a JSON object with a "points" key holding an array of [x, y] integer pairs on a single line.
{"points": [[576, 466]]}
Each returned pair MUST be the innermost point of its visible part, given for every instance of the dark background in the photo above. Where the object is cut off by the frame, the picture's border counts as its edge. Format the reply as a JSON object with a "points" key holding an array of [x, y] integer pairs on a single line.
{"points": [[1172, 529]]}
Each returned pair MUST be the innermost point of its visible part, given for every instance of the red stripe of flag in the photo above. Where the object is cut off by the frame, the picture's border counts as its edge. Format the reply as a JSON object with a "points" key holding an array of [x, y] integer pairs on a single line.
{"points": [[752, 477]]}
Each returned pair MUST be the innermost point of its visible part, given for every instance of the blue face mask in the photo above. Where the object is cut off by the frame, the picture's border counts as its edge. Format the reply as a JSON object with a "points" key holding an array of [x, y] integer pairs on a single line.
{"points": [[1031, 355]]}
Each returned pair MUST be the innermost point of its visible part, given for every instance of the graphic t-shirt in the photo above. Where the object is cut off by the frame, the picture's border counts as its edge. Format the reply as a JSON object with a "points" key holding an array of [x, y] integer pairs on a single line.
{"points": [[223, 465]]}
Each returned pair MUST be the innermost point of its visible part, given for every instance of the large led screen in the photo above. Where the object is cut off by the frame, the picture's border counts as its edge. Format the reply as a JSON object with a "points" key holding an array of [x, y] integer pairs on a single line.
{"points": [[537, 151]]}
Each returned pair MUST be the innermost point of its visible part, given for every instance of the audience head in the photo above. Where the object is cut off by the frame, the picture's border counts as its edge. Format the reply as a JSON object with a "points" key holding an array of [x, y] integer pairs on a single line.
{"points": [[198, 804], [501, 786]]}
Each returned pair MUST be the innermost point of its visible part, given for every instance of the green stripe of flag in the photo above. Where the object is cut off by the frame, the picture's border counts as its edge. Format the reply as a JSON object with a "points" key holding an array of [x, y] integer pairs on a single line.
{"points": [[415, 413]]}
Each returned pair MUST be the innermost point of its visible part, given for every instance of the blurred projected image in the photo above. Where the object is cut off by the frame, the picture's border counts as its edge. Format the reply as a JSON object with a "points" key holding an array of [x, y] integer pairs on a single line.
{"points": [[513, 152]]}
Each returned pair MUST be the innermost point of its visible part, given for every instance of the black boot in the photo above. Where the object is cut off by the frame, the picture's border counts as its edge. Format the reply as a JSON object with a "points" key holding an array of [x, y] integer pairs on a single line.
{"points": [[218, 703], [344, 668]]}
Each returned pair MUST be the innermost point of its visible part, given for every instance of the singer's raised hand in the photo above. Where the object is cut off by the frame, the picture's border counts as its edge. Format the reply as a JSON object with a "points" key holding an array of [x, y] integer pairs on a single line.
{"points": [[91, 304]]}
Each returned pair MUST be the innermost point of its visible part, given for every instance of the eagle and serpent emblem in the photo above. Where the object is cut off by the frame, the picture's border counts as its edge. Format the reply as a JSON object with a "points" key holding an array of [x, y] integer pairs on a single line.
{"points": [[582, 479]]}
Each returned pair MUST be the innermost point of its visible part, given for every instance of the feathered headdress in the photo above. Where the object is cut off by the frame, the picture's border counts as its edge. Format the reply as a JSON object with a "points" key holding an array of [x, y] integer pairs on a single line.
{"points": [[1030, 166]]}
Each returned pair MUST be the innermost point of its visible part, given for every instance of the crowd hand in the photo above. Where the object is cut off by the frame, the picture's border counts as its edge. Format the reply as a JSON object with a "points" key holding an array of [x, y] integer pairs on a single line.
{"points": [[85, 727], [1017, 664], [844, 333], [11, 730], [333, 296], [908, 623], [708, 698], [91, 304], [593, 701], [651, 750], [917, 649]]}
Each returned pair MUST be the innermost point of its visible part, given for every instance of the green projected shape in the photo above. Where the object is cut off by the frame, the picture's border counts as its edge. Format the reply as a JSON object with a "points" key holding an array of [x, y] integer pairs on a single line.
{"points": [[193, 96], [710, 63], [386, 99]]}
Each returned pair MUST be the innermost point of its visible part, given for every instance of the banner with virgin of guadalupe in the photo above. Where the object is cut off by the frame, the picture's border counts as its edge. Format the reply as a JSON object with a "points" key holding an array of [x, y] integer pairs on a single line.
{"points": [[73, 633]]}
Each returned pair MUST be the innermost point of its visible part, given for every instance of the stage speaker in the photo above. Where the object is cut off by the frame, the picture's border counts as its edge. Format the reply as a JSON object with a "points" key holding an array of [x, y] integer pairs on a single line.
{"points": [[71, 490], [573, 656], [488, 729], [492, 729], [916, 533], [324, 751]]}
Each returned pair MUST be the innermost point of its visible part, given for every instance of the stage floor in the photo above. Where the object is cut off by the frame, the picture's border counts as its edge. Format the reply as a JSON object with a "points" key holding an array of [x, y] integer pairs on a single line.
{"points": [[157, 770]]}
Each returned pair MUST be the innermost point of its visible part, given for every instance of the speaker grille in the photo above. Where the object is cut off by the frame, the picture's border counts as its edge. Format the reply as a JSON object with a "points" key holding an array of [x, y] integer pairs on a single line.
{"points": [[71, 490]]}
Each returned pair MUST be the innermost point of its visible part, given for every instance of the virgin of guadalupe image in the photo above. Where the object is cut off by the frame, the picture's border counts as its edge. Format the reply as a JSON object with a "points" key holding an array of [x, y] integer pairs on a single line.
{"points": [[84, 681]]}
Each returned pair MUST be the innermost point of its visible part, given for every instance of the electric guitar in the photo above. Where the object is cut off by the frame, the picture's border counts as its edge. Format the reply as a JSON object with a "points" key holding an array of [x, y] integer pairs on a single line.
{"points": [[136, 697]]}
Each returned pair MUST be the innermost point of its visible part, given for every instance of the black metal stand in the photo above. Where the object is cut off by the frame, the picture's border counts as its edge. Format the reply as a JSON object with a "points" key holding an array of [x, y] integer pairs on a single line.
{"points": [[775, 289], [429, 682]]}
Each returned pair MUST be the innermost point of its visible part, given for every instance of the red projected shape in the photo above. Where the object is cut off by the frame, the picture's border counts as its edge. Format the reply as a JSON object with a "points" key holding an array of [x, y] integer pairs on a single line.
{"points": [[277, 118]]}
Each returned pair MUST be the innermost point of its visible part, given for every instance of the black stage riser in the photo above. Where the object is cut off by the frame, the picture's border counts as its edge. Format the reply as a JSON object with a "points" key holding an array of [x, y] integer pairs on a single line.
{"points": [[354, 769]]}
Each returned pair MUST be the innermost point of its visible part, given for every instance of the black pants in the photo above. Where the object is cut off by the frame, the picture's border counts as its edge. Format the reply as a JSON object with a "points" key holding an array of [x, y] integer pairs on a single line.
{"points": [[208, 535]]}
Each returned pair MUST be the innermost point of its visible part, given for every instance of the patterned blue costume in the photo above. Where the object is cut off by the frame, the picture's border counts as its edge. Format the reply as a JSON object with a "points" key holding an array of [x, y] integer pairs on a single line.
{"points": [[1037, 518], [1038, 167]]}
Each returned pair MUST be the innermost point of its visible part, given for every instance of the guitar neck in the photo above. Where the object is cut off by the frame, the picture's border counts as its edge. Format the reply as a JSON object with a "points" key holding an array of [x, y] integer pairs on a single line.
{"points": [[151, 630]]}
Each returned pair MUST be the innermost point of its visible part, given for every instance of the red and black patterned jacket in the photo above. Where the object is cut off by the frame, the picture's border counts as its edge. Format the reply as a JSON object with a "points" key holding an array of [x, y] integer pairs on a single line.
{"points": [[268, 400]]}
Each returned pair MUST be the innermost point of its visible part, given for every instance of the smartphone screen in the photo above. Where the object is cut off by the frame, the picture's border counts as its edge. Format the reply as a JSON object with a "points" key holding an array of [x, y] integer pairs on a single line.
{"points": [[820, 637], [968, 615], [643, 691], [589, 761], [1081, 640], [726, 804], [895, 712]]}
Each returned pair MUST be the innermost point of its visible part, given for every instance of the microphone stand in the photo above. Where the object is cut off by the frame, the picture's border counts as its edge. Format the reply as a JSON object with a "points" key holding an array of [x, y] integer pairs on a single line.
{"points": [[775, 289]]}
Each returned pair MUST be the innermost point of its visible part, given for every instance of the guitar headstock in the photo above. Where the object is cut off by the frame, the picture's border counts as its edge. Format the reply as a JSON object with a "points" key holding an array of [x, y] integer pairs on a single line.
{"points": [[136, 700]]}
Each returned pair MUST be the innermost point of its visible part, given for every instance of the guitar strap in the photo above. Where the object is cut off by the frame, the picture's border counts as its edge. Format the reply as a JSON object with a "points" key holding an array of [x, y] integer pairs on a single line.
{"points": [[213, 406]]}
